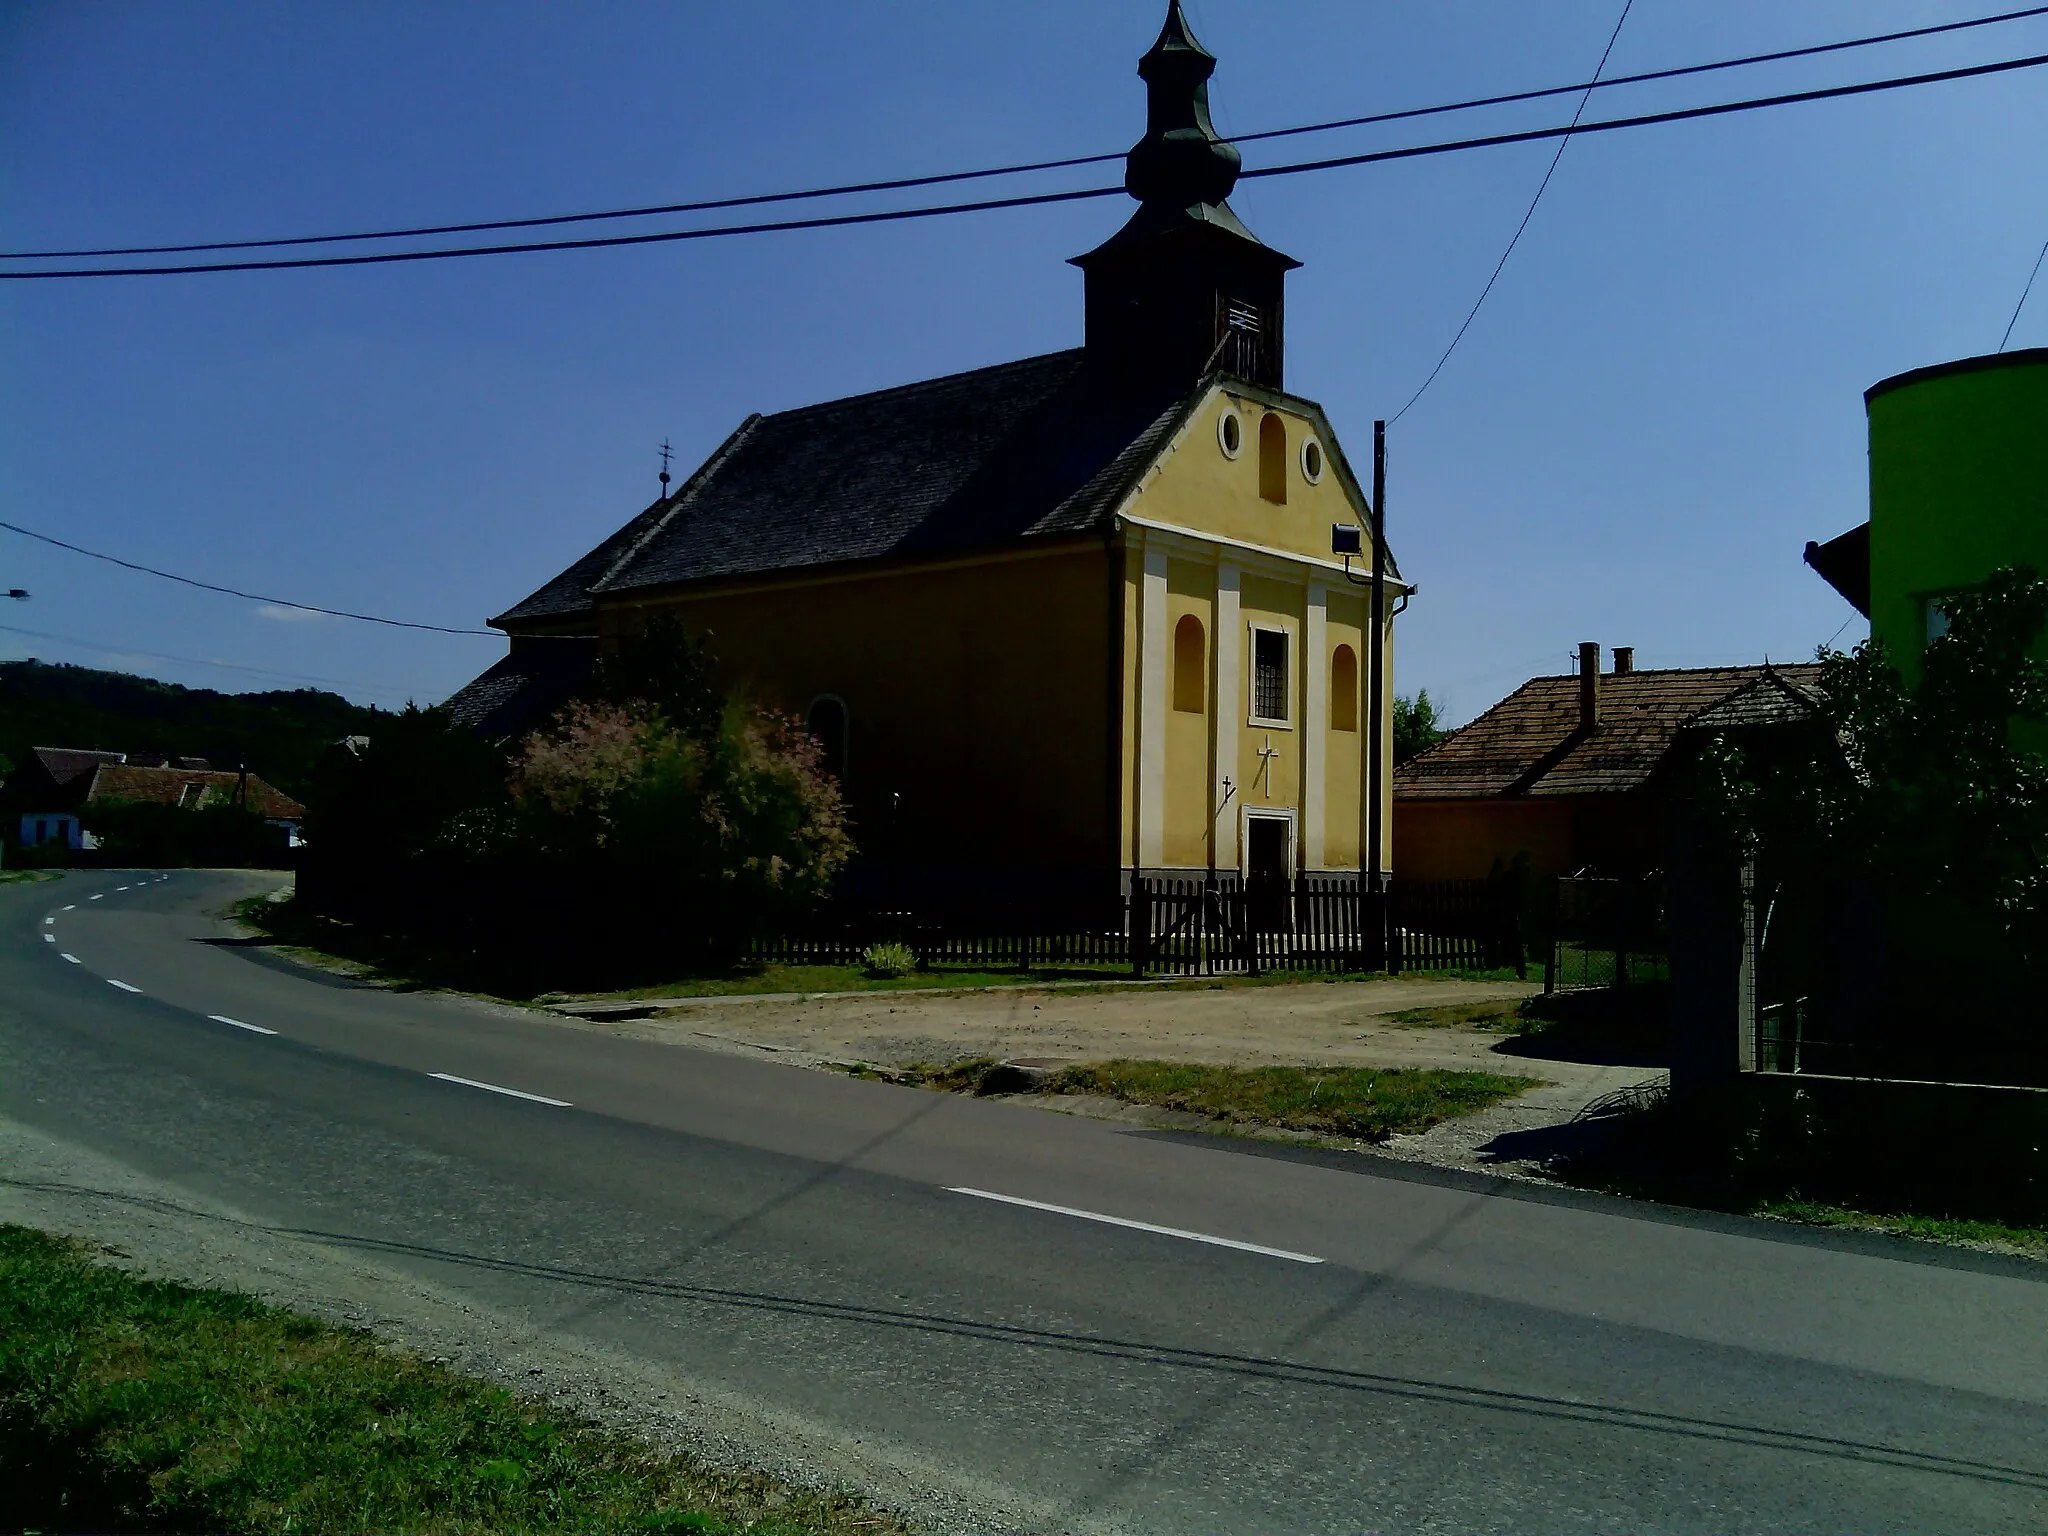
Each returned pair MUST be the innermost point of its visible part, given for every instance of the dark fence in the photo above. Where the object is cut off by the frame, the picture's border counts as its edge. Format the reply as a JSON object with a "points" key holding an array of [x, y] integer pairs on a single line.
{"points": [[570, 927], [1200, 927], [1596, 931], [1855, 981]]}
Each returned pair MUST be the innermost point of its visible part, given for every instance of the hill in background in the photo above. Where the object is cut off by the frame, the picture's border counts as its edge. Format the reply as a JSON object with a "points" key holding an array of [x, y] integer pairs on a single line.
{"points": [[278, 735]]}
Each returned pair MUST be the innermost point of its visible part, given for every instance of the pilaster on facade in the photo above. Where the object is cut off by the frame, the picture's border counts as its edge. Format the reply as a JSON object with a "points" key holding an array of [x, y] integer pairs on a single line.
{"points": [[1228, 713], [1152, 705], [1315, 722]]}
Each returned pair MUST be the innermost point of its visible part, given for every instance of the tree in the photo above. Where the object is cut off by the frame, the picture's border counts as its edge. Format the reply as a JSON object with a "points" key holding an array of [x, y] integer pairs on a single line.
{"points": [[1417, 725], [419, 781], [1935, 794], [746, 804]]}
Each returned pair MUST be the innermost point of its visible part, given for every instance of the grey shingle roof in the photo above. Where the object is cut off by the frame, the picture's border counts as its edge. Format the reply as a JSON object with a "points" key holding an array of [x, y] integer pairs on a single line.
{"points": [[1021, 450], [519, 691], [1530, 742]]}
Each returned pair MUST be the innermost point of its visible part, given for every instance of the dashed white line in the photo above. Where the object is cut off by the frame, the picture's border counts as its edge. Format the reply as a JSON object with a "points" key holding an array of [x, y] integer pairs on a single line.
{"points": [[96, 895], [49, 920], [72, 908], [74, 959], [120, 888], [49, 938], [1140, 1226], [122, 985], [254, 1029], [470, 1082]]}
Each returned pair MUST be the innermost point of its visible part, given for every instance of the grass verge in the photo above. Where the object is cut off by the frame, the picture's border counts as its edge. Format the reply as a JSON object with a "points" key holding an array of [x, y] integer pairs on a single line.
{"points": [[137, 1404], [24, 876], [1367, 1103], [1993, 1235]]}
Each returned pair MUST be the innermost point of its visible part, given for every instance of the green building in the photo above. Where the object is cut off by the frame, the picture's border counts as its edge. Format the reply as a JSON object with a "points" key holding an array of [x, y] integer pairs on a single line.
{"points": [[1958, 488]]}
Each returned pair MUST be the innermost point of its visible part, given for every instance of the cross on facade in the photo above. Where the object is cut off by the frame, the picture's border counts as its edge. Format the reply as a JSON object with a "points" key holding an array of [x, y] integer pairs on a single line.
{"points": [[1267, 754]]}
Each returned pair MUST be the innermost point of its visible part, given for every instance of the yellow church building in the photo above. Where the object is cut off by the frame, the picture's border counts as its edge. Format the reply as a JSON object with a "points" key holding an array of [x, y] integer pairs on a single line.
{"points": [[1058, 620]]}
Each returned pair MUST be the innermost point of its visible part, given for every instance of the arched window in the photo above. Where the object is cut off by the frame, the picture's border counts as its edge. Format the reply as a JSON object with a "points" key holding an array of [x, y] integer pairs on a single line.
{"points": [[1190, 666], [827, 724], [1273, 458], [1344, 689]]}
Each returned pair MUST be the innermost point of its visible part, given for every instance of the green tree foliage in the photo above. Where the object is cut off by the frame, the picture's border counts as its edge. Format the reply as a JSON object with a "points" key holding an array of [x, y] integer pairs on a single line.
{"points": [[280, 735], [746, 803], [649, 769], [1417, 724], [422, 782], [166, 836], [666, 668], [1934, 793]]}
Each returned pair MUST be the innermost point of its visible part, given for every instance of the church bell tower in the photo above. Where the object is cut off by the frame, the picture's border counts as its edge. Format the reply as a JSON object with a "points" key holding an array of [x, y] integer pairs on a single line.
{"points": [[1183, 288]]}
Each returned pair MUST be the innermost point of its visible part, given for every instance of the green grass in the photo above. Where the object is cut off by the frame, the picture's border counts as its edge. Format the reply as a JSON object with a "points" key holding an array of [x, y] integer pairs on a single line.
{"points": [[1505, 1015], [1364, 1102], [844, 978], [24, 876], [135, 1404], [2032, 1241]]}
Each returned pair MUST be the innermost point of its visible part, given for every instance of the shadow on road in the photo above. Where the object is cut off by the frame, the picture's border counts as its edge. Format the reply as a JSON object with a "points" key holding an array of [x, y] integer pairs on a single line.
{"points": [[1207, 1362]]}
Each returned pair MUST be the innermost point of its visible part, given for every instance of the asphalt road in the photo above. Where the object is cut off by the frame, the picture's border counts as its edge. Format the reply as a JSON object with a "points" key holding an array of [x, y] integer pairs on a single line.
{"points": [[1382, 1349]]}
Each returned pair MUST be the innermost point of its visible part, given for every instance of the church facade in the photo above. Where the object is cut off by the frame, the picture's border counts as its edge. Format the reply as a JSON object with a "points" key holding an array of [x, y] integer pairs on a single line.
{"points": [[1073, 616]]}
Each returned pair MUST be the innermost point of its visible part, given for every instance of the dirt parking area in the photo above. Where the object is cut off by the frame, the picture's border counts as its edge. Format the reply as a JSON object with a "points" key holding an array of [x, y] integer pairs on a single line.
{"points": [[1306, 1024], [1309, 1024]]}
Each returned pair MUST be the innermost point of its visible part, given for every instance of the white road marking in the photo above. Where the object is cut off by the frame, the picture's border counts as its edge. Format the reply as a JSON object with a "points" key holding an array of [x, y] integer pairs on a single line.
{"points": [[1139, 1226], [74, 959], [122, 985], [72, 908], [49, 938], [470, 1082], [49, 920], [254, 1029], [96, 895]]}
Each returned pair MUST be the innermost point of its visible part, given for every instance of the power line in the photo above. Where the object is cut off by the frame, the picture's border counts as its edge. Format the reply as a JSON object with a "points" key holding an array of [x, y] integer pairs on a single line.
{"points": [[193, 661], [254, 597], [2015, 320], [904, 183], [833, 221], [1646, 120], [1530, 213]]}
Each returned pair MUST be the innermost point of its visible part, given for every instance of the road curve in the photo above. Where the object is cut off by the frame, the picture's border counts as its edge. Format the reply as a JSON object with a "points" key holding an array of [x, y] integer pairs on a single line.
{"points": [[1117, 1331]]}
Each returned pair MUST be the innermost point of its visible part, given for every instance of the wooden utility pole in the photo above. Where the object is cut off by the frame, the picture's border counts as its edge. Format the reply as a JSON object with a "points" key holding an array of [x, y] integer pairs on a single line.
{"points": [[1376, 732]]}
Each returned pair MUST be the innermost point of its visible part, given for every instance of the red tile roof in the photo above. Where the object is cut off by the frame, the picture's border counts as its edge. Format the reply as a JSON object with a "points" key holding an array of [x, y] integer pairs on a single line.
{"points": [[1530, 742], [191, 789]]}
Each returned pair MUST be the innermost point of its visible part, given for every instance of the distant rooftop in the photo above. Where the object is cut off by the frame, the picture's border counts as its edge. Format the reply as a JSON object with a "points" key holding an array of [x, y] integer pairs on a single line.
{"points": [[1532, 744]]}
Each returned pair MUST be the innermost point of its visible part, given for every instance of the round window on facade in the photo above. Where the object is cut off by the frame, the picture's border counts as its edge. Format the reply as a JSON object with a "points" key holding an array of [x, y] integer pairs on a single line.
{"points": [[1311, 461], [1230, 434]]}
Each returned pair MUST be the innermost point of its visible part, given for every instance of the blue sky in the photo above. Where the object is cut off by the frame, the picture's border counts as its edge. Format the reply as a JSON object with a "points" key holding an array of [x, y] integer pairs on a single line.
{"points": [[1659, 405]]}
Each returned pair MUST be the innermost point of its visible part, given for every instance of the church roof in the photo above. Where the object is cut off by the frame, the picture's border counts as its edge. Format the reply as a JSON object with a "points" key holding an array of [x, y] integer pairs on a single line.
{"points": [[1531, 744], [1027, 449]]}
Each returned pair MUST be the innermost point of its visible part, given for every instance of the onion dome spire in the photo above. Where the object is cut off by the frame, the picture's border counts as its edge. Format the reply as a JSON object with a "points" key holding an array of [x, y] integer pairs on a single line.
{"points": [[1181, 161]]}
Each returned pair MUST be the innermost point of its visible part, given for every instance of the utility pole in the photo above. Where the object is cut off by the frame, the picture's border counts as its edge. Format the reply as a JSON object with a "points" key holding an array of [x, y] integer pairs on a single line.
{"points": [[1376, 651]]}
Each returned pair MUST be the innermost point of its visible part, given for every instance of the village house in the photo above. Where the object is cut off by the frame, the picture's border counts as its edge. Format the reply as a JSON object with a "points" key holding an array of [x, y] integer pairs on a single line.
{"points": [[1575, 774], [1061, 619], [45, 798]]}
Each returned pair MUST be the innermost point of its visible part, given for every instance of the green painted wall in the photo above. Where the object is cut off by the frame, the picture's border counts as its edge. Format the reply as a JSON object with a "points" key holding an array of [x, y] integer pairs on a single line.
{"points": [[1958, 486]]}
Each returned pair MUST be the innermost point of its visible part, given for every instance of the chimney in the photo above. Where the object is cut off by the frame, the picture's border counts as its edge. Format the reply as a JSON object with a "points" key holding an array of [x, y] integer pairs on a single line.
{"points": [[1624, 660], [1589, 685]]}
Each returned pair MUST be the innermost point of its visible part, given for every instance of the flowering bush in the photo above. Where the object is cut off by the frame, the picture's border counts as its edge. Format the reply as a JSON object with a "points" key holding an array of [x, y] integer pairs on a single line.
{"points": [[746, 803]]}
